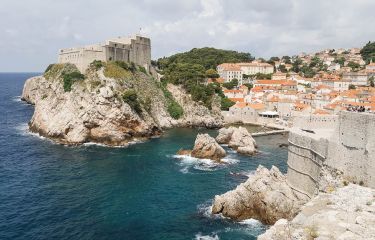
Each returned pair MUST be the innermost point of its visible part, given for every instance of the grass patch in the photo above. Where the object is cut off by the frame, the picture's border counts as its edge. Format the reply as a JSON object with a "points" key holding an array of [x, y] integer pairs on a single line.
{"points": [[114, 70], [53, 71]]}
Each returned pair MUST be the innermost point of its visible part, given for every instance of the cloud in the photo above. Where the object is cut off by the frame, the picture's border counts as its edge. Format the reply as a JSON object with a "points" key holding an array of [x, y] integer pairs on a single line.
{"points": [[30, 40]]}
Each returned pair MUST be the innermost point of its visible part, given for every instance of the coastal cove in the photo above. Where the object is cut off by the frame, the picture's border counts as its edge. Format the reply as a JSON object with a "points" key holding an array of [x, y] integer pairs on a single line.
{"points": [[137, 192]]}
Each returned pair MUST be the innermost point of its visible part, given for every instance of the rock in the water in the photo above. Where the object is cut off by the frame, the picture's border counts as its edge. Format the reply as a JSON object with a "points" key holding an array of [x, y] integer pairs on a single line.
{"points": [[225, 134], [237, 138], [347, 213], [206, 147], [265, 196], [184, 152]]}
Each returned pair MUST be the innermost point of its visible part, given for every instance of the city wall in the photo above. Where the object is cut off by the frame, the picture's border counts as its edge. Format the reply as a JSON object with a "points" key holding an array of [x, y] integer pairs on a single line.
{"points": [[349, 147], [315, 121]]}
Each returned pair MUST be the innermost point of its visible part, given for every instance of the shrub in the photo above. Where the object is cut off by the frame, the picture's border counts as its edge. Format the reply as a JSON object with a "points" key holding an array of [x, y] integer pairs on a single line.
{"points": [[49, 68], [231, 84], [142, 69], [226, 103], [148, 104], [175, 110], [132, 67], [70, 78], [97, 64], [130, 97], [122, 64]]}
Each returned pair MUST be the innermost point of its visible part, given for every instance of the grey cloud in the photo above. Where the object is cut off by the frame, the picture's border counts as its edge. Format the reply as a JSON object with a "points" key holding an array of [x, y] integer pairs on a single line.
{"points": [[31, 32]]}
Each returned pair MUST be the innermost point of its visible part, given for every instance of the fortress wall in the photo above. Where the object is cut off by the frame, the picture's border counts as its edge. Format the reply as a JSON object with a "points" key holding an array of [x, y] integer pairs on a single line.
{"points": [[305, 159], [141, 51], [315, 121], [352, 148], [135, 49], [349, 147]]}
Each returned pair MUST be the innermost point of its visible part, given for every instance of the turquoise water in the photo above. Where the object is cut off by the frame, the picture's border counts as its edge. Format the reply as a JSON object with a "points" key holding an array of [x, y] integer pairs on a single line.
{"points": [[49, 191]]}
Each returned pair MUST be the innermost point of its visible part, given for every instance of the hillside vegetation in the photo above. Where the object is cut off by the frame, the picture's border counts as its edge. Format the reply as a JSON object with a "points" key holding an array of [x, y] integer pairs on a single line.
{"points": [[206, 57], [368, 52], [190, 69]]}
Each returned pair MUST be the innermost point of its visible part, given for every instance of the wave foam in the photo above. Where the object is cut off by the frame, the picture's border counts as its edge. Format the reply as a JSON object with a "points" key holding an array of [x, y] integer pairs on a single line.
{"points": [[188, 162], [16, 99], [205, 210], [251, 222], [199, 236]]}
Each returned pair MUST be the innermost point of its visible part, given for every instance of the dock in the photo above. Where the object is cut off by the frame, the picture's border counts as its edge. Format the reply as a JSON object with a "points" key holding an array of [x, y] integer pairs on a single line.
{"points": [[273, 132]]}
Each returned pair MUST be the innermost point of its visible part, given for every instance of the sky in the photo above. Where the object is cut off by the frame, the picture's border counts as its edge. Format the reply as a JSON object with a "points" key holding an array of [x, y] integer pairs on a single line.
{"points": [[32, 31]]}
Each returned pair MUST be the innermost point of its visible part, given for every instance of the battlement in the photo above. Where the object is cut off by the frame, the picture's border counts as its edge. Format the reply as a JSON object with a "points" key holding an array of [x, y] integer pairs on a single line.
{"points": [[135, 49]]}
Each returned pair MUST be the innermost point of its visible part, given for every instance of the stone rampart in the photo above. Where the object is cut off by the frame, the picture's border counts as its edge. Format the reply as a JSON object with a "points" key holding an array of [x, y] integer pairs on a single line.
{"points": [[315, 121], [349, 147]]}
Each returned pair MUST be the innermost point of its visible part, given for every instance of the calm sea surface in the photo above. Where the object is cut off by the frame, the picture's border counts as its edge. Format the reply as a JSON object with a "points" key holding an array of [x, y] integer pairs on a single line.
{"points": [[49, 191]]}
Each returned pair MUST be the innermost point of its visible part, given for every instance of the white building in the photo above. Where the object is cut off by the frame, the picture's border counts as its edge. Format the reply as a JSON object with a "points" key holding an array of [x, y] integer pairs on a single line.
{"points": [[356, 78], [230, 71], [256, 67]]}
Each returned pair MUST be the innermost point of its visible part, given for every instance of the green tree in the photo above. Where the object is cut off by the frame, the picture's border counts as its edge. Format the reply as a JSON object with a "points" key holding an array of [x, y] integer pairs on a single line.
{"points": [[283, 69], [296, 65], [287, 59], [226, 104], [340, 60], [207, 57], [354, 66], [351, 86], [368, 52], [249, 85], [230, 85], [372, 81], [211, 73]]}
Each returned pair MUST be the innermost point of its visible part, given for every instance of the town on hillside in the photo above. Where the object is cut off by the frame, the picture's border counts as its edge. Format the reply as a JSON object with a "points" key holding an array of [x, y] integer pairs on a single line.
{"points": [[278, 91]]}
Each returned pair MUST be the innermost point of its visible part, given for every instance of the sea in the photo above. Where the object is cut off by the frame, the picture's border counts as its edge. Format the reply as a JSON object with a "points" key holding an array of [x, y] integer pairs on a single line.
{"points": [[142, 191]]}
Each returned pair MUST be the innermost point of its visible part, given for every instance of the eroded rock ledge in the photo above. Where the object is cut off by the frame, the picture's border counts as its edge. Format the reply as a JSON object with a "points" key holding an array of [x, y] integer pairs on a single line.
{"points": [[347, 213], [265, 196]]}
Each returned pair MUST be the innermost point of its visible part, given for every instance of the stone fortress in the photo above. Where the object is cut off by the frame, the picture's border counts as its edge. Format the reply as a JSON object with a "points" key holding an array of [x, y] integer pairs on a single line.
{"points": [[135, 49], [345, 144]]}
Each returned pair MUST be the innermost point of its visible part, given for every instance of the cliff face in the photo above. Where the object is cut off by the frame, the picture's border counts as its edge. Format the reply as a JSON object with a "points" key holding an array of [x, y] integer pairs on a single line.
{"points": [[94, 109], [347, 213], [265, 196]]}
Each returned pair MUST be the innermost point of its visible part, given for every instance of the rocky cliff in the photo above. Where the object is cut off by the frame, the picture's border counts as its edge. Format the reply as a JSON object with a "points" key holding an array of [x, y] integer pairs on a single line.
{"points": [[347, 213], [265, 196], [109, 105]]}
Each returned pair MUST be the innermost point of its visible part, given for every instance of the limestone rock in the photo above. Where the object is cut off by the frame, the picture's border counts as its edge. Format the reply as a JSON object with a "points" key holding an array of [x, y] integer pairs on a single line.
{"points": [[206, 147], [347, 213], [93, 110], [195, 114], [225, 135], [237, 138], [184, 152], [265, 196]]}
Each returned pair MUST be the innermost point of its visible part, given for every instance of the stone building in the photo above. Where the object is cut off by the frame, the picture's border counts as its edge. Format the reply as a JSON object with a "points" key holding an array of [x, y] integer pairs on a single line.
{"points": [[135, 49]]}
